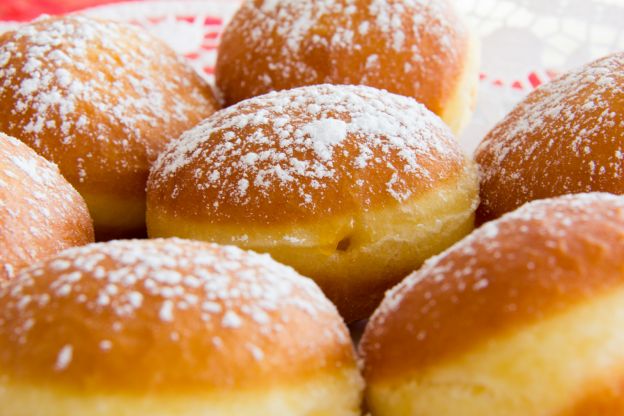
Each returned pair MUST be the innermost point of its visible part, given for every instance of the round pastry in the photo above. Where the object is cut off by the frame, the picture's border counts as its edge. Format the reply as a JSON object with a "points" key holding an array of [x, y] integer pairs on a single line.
{"points": [[40, 213], [414, 48], [352, 186], [566, 137], [523, 317], [171, 327], [100, 99]]}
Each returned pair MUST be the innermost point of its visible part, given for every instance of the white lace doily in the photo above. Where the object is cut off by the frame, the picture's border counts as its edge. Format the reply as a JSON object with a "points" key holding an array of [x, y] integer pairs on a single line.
{"points": [[528, 42], [524, 42]]}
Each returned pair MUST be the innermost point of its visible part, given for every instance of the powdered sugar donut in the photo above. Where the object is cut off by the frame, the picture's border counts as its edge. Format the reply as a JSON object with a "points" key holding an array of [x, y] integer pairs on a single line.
{"points": [[566, 137], [416, 48], [523, 317], [100, 99], [352, 186], [40, 213], [164, 327]]}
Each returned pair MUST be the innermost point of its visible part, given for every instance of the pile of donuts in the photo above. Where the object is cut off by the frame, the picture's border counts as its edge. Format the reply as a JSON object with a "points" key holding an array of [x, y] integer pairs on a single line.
{"points": [[320, 175]]}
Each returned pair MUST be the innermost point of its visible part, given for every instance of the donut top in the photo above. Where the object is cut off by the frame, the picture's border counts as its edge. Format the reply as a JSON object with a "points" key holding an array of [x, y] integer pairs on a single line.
{"points": [[40, 213], [95, 96], [381, 43], [305, 153], [530, 264], [298, 18], [566, 137], [166, 315]]}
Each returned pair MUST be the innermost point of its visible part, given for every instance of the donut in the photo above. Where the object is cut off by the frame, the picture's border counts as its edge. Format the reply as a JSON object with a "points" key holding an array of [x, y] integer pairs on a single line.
{"points": [[171, 327], [420, 49], [40, 213], [523, 317], [566, 137], [100, 99], [352, 186]]}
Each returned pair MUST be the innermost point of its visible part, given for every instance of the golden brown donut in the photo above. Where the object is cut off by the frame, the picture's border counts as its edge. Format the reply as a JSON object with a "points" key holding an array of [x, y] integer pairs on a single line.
{"points": [[566, 137], [420, 49], [40, 213], [523, 317], [171, 327], [352, 186], [100, 99]]}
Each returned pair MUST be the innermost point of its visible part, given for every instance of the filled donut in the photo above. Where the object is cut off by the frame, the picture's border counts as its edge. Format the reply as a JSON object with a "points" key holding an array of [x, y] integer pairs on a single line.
{"points": [[100, 99], [421, 49], [40, 213], [566, 137], [523, 317], [352, 186], [171, 327]]}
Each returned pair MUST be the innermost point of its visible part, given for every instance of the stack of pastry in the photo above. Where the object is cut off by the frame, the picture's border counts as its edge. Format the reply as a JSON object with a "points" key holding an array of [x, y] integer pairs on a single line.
{"points": [[335, 155]]}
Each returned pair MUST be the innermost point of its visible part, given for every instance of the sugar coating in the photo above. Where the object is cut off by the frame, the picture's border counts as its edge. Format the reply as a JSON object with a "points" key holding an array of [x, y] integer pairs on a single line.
{"points": [[298, 18], [303, 141], [64, 358], [36, 202], [342, 28], [555, 218], [170, 281], [80, 79], [573, 124]]}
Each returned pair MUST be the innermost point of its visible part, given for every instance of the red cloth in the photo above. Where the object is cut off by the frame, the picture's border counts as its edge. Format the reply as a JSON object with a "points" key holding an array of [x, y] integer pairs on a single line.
{"points": [[23, 10]]}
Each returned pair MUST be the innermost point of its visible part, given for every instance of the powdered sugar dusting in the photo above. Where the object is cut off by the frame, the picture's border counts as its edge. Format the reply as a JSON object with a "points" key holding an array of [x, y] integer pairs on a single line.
{"points": [[388, 16], [36, 205], [64, 358], [231, 320], [224, 288], [566, 137], [310, 40], [325, 134], [302, 141], [78, 79]]}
